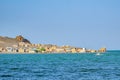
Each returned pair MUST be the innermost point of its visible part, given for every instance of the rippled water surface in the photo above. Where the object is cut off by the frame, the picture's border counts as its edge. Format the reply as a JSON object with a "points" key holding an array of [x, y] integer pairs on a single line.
{"points": [[60, 66]]}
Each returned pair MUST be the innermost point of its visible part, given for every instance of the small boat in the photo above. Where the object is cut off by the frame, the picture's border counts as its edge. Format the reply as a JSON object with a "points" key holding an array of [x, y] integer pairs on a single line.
{"points": [[98, 53]]}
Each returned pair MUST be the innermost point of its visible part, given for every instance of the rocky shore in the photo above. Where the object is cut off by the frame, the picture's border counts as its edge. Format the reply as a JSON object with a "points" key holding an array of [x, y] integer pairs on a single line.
{"points": [[21, 45]]}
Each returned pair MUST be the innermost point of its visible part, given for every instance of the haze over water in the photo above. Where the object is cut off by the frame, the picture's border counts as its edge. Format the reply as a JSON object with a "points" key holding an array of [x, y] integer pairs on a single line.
{"points": [[60, 66]]}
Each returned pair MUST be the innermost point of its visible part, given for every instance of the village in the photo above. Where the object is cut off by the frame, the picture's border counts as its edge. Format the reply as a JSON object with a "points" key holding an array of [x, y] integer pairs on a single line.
{"points": [[24, 46]]}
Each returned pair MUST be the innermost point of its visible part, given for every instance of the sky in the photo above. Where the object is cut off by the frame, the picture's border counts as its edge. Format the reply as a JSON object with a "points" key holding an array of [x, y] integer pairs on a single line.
{"points": [[81, 23]]}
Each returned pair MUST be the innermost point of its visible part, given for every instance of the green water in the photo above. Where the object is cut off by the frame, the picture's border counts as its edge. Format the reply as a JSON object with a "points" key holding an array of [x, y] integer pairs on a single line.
{"points": [[60, 66]]}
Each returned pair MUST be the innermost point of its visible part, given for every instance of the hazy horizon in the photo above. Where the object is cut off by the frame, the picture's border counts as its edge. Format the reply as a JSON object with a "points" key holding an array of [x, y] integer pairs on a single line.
{"points": [[83, 23]]}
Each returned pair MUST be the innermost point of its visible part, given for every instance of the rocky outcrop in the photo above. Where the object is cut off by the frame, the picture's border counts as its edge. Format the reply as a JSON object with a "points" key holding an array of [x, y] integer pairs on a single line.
{"points": [[19, 38], [22, 39], [9, 42]]}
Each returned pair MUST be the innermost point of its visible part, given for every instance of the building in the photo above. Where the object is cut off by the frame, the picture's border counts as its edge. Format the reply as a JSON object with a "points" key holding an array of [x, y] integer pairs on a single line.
{"points": [[21, 50], [9, 49], [79, 50], [60, 50], [82, 50], [74, 50], [68, 50], [1, 49], [102, 50]]}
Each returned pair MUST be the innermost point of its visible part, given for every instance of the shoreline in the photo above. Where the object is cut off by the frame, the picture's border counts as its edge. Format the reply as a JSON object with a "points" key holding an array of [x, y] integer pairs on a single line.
{"points": [[21, 45], [48, 53]]}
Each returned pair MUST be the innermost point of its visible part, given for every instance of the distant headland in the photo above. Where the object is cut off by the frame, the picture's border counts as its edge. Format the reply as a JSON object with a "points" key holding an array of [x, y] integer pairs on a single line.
{"points": [[19, 44]]}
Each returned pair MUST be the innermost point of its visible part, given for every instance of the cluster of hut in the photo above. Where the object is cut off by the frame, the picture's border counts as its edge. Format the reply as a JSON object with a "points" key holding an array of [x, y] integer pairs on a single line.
{"points": [[23, 47]]}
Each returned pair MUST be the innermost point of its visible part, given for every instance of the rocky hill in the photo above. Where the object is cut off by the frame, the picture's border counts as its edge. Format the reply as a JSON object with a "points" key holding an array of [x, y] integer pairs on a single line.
{"points": [[9, 42]]}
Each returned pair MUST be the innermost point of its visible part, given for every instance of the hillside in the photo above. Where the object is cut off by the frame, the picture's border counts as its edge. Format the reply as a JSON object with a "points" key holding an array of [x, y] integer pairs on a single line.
{"points": [[9, 42]]}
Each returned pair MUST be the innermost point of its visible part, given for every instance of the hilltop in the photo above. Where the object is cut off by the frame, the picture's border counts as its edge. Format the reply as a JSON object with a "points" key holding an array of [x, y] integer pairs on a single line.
{"points": [[9, 42]]}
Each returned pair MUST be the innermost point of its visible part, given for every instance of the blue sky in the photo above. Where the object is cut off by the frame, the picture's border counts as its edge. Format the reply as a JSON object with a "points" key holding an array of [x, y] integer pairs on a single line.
{"points": [[82, 23]]}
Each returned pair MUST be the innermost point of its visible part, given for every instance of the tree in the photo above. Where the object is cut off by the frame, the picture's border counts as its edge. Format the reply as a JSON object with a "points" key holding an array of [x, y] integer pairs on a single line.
{"points": [[40, 50]]}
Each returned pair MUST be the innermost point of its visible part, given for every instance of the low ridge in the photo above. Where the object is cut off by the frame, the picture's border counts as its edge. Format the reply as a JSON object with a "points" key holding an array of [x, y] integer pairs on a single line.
{"points": [[9, 42]]}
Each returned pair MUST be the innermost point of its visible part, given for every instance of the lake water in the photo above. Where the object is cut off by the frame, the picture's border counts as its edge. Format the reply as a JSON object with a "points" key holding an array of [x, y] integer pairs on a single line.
{"points": [[60, 66]]}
